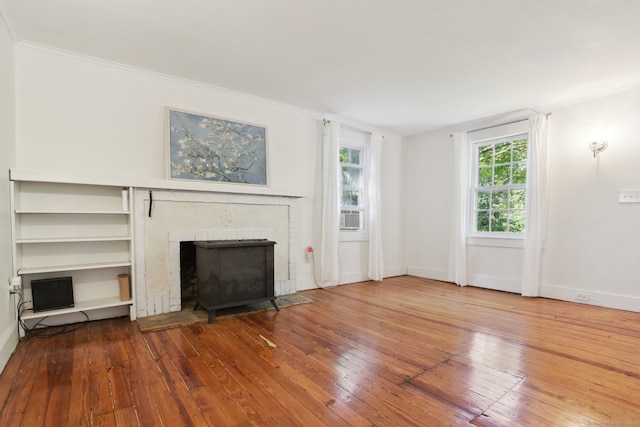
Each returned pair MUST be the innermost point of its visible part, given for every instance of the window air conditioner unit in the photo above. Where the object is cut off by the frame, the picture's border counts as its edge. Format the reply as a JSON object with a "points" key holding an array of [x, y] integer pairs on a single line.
{"points": [[350, 220]]}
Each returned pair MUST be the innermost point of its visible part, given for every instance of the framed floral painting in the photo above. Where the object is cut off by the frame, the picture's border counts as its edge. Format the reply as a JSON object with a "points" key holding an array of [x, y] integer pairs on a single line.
{"points": [[209, 148]]}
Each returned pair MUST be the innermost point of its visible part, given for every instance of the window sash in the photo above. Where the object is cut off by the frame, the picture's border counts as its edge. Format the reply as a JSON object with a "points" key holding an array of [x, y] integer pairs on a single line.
{"points": [[353, 186], [499, 198]]}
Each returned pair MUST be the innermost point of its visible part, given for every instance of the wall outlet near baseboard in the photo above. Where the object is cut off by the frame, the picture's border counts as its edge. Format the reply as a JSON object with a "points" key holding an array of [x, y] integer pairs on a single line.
{"points": [[583, 297], [15, 284]]}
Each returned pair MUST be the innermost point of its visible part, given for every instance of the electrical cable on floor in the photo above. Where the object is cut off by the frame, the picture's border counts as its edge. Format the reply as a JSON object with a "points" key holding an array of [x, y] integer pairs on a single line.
{"points": [[37, 330], [313, 268]]}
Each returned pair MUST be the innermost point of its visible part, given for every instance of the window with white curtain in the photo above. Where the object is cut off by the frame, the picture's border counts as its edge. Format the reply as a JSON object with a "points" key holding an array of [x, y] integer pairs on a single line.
{"points": [[353, 185], [499, 181]]}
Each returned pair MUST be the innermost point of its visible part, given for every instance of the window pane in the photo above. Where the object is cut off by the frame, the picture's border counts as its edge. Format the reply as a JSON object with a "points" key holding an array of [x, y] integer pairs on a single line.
{"points": [[351, 177], [350, 155], [519, 150], [500, 200], [485, 176], [350, 197], [483, 221], [516, 221], [517, 199], [500, 193], [520, 173], [501, 176], [484, 200], [354, 156], [485, 155], [344, 155], [499, 221], [503, 153]]}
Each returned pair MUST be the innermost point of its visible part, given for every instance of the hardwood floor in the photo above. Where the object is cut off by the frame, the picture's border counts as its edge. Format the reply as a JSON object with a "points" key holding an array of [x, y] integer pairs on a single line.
{"points": [[401, 352]]}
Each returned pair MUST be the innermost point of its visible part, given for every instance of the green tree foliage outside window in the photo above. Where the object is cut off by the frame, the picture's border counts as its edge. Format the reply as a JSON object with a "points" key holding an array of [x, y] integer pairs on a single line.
{"points": [[351, 177], [500, 192]]}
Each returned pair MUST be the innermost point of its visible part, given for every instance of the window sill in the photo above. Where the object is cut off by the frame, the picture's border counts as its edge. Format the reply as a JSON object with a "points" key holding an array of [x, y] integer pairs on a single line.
{"points": [[353, 236], [496, 241]]}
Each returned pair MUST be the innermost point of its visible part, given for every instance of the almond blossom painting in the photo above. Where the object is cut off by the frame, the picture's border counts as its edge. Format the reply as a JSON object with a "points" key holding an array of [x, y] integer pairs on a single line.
{"points": [[214, 149]]}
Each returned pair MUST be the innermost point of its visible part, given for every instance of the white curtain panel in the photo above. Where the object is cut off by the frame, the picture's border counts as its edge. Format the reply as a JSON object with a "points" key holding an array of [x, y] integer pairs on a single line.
{"points": [[329, 266], [536, 205], [459, 210], [376, 266]]}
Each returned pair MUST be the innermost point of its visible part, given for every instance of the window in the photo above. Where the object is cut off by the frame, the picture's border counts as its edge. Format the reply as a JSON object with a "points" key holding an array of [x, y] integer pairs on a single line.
{"points": [[353, 200], [499, 192]]}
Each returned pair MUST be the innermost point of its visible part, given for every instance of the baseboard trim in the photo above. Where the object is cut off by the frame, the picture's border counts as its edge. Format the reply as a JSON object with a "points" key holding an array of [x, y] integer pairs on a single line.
{"points": [[427, 273], [601, 299], [395, 271], [305, 284], [496, 283], [8, 344]]}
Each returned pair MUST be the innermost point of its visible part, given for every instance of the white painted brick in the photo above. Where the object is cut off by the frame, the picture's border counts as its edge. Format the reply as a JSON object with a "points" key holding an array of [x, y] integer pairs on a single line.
{"points": [[141, 306], [155, 304], [174, 250]]}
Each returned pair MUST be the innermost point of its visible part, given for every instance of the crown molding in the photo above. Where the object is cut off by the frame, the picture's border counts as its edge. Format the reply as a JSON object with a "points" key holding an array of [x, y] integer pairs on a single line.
{"points": [[4, 17], [199, 85]]}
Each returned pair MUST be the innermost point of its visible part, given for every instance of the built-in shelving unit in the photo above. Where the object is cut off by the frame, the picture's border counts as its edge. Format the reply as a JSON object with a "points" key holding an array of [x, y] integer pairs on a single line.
{"points": [[71, 229]]}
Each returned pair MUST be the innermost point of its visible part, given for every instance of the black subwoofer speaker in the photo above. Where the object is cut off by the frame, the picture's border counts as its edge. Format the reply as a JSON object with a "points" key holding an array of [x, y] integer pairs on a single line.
{"points": [[51, 294]]}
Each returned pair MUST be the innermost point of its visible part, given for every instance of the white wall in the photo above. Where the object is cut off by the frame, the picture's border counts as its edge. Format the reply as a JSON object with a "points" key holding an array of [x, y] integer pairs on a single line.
{"points": [[428, 190], [592, 242], [392, 190], [8, 327], [86, 117]]}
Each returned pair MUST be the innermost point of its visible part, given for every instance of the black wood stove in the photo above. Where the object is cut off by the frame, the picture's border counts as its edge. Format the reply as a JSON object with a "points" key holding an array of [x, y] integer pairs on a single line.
{"points": [[234, 272]]}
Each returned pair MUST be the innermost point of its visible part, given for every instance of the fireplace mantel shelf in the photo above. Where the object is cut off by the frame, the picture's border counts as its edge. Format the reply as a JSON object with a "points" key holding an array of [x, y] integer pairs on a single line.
{"points": [[153, 184]]}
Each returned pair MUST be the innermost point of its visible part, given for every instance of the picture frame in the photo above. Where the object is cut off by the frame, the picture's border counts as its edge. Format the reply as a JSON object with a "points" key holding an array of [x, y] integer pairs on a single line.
{"points": [[210, 148]]}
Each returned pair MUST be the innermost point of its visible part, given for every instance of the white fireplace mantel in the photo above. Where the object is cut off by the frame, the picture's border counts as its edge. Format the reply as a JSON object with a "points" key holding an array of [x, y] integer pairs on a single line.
{"points": [[178, 216]]}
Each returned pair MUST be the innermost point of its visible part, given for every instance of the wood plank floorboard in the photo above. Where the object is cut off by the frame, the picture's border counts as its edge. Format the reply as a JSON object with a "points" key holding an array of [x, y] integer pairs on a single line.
{"points": [[402, 352]]}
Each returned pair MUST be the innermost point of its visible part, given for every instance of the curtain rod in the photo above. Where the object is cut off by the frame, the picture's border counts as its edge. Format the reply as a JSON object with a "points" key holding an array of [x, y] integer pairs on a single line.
{"points": [[501, 124], [353, 128]]}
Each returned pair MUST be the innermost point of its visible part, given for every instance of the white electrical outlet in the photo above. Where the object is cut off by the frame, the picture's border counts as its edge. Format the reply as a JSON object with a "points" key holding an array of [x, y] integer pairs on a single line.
{"points": [[15, 284], [629, 196], [583, 297]]}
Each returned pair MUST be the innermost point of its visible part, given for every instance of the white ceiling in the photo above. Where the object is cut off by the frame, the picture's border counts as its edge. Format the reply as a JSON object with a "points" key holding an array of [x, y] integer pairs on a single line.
{"points": [[409, 66]]}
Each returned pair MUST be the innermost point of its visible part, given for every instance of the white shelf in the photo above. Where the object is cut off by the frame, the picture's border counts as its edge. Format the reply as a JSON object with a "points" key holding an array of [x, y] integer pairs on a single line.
{"points": [[75, 239], [73, 267], [82, 230], [79, 306]]}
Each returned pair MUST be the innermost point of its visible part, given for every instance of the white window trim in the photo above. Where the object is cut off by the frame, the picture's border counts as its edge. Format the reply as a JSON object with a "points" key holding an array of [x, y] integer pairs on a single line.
{"points": [[358, 235], [495, 239]]}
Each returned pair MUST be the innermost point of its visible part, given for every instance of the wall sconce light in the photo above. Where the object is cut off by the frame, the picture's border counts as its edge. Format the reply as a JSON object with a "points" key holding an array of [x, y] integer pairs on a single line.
{"points": [[596, 147]]}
